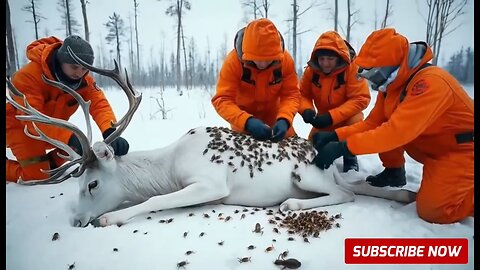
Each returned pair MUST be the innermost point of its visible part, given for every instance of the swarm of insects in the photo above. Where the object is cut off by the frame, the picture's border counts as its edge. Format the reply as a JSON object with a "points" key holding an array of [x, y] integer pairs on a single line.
{"points": [[308, 223]]}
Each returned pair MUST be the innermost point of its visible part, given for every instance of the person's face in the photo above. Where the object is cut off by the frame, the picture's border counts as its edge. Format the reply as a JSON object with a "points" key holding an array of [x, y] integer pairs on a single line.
{"points": [[74, 71], [327, 63], [262, 64]]}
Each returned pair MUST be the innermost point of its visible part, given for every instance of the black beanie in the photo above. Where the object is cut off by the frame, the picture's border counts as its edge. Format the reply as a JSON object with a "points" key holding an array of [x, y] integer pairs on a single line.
{"points": [[326, 52], [79, 46]]}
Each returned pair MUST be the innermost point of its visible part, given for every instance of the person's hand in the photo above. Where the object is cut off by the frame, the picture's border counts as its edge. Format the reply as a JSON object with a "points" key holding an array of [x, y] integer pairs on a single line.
{"points": [[322, 121], [329, 153], [120, 145], [75, 144], [321, 138], [280, 130], [308, 115], [258, 129]]}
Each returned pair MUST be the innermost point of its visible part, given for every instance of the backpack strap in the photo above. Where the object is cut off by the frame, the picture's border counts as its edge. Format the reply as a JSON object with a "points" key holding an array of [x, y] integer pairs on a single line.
{"points": [[404, 91]]}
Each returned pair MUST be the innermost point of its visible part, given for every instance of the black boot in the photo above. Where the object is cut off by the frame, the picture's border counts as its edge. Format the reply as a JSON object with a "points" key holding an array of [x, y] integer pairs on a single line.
{"points": [[393, 177], [350, 162]]}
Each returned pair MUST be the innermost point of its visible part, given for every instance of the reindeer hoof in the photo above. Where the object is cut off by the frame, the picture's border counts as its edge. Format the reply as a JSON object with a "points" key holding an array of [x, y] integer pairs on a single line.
{"points": [[291, 204]]}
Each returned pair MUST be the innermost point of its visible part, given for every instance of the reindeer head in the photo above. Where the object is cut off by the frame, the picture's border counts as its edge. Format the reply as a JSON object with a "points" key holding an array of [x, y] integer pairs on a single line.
{"points": [[97, 164]]}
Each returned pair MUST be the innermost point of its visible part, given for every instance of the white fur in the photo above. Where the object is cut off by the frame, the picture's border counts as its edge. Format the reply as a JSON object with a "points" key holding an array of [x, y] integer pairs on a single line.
{"points": [[181, 175]]}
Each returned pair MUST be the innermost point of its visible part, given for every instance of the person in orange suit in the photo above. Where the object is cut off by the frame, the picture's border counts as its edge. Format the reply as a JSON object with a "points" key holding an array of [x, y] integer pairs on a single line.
{"points": [[49, 56], [257, 89], [420, 109], [330, 85]]}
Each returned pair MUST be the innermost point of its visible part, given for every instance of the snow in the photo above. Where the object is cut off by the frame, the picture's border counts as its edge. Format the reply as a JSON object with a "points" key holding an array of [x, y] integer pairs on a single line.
{"points": [[34, 214]]}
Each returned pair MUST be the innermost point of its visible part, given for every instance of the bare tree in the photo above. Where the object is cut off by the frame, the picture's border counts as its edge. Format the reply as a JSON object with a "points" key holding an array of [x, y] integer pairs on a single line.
{"points": [[251, 7], [130, 46], [10, 49], [71, 24], [185, 60], [115, 28], [388, 13], [441, 15], [295, 29], [32, 7], [351, 19], [335, 17], [85, 20], [176, 9], [135, 6], [265, 6]]}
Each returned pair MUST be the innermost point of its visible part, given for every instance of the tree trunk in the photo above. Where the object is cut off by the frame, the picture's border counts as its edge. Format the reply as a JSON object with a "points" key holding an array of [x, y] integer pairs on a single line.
{"points": [[35, 21], [178, 67], [336, 16], [185, 60], [85, 20], [69, 24], [294, 32], [117, 33], [349, 18], [136, 35], [12, 67]]}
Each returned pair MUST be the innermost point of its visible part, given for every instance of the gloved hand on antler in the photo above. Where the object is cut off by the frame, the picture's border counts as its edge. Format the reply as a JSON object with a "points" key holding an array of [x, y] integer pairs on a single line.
{"points": [[120, 145]]}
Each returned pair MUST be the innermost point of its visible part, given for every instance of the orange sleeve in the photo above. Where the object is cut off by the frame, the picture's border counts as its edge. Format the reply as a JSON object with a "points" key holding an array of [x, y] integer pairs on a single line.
{"points": [[357, 99], [31, 87], [306, 101], [289, 93], [415, 114], [100, 108], [224, 101], [374, 119]]}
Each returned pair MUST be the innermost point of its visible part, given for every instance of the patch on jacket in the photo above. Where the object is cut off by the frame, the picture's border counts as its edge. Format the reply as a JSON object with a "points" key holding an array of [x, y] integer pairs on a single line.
{"points": [[419, 87]]}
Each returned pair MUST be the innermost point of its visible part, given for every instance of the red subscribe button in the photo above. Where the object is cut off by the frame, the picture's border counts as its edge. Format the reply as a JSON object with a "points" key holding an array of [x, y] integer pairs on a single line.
{"points": [[406, 251]]}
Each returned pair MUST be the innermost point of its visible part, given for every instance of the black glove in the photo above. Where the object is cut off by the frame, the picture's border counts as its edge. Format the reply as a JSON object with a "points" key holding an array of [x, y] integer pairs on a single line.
{"points": [[308, 116], [329, 153], [258, 129], [322, 121], [74, 143], [321, 138], [120, 145], [280, 130]]}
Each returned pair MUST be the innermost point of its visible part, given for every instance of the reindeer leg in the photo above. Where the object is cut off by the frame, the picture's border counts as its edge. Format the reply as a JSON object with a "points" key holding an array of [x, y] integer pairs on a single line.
{"points": [[320, 182], [200, 191]]}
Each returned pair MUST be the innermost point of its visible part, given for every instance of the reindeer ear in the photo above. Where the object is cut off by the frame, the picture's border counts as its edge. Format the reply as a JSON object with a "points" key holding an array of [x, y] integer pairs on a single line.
{"points": [[103, 151]]}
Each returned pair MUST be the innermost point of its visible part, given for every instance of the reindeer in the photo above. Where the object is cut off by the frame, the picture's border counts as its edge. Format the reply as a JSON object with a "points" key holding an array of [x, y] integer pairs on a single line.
{"points": [[208, 165]]}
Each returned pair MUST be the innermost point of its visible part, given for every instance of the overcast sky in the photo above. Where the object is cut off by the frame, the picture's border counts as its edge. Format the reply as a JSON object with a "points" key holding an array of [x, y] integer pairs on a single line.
{"points": [[214, 22]]}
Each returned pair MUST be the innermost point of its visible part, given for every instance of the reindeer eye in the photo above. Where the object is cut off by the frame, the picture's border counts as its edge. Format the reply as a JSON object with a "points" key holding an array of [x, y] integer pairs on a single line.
{"points": [[92, 185]]}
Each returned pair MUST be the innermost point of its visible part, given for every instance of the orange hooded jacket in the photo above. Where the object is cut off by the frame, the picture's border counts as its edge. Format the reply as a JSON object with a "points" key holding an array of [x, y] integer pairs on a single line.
{"points": [[342, 100], [49, 100], [434, 109], [244, 91]]}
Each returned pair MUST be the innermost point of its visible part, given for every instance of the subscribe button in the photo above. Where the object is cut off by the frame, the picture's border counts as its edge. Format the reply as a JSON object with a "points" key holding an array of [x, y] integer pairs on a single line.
{"points": [[406, 251]]}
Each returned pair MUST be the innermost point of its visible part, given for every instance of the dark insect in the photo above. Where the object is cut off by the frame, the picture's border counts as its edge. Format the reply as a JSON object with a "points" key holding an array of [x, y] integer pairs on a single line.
{"points": [[270, 248], [306, 240], [149, 217], [220, 243], [244, 259], [162, 221], [290, 263], [283, 254], [71, 266], [291, 239], [189, 252], [191, 214], [236, 211], [145, 232], [258, 229], [251, 247], [337, 225], [275, 230], [337, 216], [201, 234], [316, 234], [242, 216], [115, 249], [206, 215], [169, 220], [55, 236], [205, 151], [185, 234], [227, 218], [182, 264], [135, 231]]}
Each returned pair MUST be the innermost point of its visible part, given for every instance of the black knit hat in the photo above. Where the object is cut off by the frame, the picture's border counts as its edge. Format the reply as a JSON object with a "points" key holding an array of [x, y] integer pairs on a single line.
{"points": [[79, 46], [326, 52]]}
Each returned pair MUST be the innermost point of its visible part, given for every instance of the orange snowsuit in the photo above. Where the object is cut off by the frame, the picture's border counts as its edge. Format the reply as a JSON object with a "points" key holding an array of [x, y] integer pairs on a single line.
{"points": [[244, 91], [430, 123], [54, 102], [340, 92]]}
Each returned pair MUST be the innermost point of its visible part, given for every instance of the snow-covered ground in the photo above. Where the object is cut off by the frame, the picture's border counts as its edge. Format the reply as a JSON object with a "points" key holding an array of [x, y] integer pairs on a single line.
{"points": [[35, 214]]}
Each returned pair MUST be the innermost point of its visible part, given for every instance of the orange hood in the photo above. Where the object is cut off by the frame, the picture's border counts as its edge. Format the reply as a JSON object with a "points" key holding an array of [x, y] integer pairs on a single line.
{"points": [[331, 40], [261, 42], [39, 51], [387, 48]]}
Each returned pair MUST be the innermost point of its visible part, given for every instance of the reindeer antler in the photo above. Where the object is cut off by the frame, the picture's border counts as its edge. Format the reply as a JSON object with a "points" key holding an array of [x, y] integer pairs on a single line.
{"points": [[88, 155], [134, 98]]}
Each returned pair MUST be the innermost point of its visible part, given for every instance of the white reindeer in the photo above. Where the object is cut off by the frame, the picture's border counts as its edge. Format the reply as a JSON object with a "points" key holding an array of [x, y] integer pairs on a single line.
{"points": [[208, 165]]}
